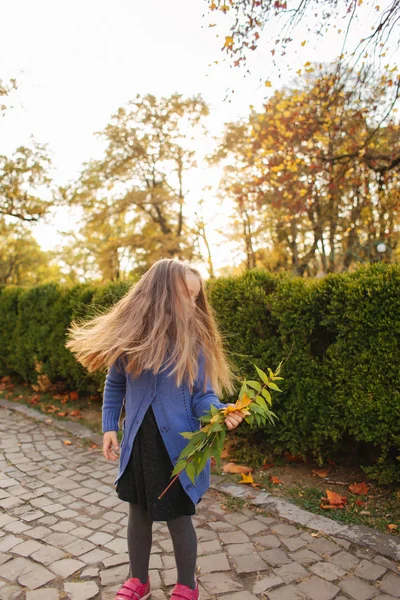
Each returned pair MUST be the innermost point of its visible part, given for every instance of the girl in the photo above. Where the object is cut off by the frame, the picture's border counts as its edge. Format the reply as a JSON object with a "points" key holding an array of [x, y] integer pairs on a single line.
{"points": [[166, 365]]}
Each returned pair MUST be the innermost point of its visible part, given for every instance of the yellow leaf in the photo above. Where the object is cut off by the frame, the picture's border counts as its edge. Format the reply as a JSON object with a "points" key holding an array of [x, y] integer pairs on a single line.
{"points": [[215, 418], [228, 41], [239, 405], [247, 478], [304, 43], [307, 64], [268, 83]]}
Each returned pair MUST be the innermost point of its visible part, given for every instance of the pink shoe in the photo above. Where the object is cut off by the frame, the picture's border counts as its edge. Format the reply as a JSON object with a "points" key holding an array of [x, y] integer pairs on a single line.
{"points": [[183, 592], [134, 589]]}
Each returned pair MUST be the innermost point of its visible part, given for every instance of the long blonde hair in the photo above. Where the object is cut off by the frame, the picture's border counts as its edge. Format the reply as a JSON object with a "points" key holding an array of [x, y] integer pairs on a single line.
{"points": [[149, 328]]}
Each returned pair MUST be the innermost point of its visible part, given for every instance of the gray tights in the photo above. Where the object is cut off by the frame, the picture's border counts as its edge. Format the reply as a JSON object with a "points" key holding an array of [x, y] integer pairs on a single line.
{"points": [[184, 541]]}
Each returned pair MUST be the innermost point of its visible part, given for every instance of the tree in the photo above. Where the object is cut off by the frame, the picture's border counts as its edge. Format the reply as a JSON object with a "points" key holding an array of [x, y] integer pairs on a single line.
{"points": [[23, 177], [22, 262], [320, 169], [248, 19], [138, 187]]}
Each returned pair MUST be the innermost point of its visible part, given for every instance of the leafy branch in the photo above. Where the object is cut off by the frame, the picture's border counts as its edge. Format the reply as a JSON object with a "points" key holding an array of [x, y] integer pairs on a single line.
{"points": [[254, 401]]}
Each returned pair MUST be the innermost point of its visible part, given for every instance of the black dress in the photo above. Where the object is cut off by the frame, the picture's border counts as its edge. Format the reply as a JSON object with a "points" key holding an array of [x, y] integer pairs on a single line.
{"points": [[148, 473]]}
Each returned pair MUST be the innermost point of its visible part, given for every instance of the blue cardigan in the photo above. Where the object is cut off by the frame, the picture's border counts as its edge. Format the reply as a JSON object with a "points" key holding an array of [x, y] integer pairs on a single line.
{"points": [[175, 410]]}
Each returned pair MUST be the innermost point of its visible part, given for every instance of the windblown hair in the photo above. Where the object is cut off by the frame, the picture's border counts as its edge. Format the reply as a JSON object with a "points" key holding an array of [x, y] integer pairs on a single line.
{"points": [[152, 327]]}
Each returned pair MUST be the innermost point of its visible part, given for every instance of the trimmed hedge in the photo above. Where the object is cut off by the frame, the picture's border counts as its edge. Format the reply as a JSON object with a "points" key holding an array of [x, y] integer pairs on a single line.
{"points": [[341, 334]]}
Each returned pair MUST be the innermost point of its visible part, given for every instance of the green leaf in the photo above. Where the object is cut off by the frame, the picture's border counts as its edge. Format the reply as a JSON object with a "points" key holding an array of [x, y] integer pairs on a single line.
{"points": [[261, 374], [205, 419], [243, 390], [267, 396], [255, 385], [214, 410], [191, 471], [180, 466], [273, 386], [215, 427], [251, 393], [188, 434], [261, 402]]}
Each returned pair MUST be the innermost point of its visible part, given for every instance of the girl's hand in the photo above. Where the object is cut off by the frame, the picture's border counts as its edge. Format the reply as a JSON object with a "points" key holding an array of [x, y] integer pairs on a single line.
{"points": [[234, 419], [110, 445]]}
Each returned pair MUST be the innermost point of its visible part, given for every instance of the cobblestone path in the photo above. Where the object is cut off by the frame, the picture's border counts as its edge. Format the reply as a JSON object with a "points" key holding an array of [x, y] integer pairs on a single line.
{"points": [[62, 535]]}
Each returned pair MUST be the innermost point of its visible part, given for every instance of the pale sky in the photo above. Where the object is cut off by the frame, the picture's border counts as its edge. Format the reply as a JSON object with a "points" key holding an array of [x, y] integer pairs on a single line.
{"points": [[76, 62]]}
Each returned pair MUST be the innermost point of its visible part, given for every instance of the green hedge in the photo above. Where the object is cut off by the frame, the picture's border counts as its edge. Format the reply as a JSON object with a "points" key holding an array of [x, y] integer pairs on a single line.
{"points": [[341, 334]]}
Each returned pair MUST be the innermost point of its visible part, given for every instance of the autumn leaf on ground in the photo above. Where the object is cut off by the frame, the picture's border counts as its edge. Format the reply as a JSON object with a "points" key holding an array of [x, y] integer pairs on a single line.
{"points": [[232, 468], [225, 453], [291, 458], [360, 489], [58, 397], [266, 465], [321, 472], [360, 503], [333, 500], [247, 478], [67, 443], [392, 527], [275, 480], [75, 413], [94, 446], [62, 414], [74, 396]]}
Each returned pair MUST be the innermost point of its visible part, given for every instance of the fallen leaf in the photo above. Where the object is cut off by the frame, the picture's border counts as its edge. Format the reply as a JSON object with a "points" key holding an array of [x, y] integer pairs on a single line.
{"points": [[392, 527], [247, 478], [231, 467], [74, 396], [291, 458], [48, 421], [360, 489], [321, 472], [275, 480], [334, 500], [75, 413], [62, 414], [225, 453], [67, 443], [360, 503], [267, 465], [96, 446]]}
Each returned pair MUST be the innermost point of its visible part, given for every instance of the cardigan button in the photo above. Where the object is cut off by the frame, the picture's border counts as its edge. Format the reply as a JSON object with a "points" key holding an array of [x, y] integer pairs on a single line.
{"points": [[189, 486], [164, 428], [151, 392]]}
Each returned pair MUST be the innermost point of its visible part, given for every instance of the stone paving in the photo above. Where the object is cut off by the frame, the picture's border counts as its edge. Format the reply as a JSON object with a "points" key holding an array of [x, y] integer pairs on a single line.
{"points": [[62, 535]]}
